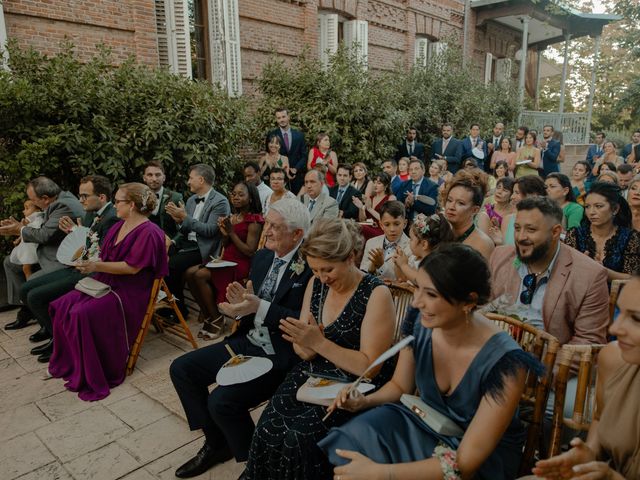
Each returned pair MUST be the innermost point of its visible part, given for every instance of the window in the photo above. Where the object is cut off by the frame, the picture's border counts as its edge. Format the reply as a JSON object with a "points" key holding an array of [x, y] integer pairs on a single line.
{"points": [[503, 70], [3, 39], [201, 39], [427, 51], [333, 30]]}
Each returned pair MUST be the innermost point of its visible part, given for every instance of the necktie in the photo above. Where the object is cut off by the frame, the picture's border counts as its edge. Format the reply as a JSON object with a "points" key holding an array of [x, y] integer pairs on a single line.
{"points": [[157, 195], [285, 137], [340, 194], [312, 203], [410, 148], [416, 187], [269, 286], [199, 199], [475, 142]]}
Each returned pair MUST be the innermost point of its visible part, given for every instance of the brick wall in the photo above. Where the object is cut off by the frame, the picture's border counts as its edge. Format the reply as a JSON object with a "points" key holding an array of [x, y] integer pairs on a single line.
{"points": [[126, 26]]}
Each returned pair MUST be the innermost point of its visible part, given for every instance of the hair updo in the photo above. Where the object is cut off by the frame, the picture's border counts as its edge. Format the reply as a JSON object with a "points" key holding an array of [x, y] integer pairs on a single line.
{"points": [[474, 181], [144, 200], [435, 229], [333, 239]]}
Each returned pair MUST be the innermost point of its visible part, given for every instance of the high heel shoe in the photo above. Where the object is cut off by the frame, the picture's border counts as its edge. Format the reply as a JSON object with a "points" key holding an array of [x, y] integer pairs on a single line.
{"points": [[212, 329]]}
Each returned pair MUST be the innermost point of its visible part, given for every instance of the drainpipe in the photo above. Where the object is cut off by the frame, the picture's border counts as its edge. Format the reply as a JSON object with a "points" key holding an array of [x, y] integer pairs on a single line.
{"points": [[465, 32]]}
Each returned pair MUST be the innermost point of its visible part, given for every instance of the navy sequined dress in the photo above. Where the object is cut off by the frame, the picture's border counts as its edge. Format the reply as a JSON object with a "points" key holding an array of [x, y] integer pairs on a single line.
{"points": [[284, 444], [621, 251], [392, 433]]}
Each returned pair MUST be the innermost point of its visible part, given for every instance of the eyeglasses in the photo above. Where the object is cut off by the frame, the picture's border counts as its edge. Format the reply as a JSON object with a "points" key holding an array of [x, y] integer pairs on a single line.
{"points": [[84, 196], [530, 283]]}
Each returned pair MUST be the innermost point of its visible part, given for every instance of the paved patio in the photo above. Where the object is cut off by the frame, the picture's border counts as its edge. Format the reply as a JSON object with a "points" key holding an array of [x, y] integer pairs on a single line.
{"points": [[48, 433]]}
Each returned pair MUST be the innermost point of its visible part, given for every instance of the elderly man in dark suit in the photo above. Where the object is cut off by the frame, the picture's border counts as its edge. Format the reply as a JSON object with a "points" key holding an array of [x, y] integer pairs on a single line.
{"points": [[292, 146], [343, 192], [55, 203], [276, 286], [419, 194], [447, 148], [197, 223], [95, 196]]}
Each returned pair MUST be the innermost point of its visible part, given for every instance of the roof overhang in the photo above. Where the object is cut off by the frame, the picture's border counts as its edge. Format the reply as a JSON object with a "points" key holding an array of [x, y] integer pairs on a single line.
{"points": [[548, 21]]}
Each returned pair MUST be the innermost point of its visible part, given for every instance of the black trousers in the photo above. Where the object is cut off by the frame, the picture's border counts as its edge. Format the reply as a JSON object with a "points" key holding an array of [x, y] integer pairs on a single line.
{"points": [[225, 411], [179, 262]]}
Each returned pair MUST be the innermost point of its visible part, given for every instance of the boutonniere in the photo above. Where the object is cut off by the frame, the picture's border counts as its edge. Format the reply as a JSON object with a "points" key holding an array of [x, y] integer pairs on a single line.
{"points": [[165, 197], [297, 266], [92, 253]]}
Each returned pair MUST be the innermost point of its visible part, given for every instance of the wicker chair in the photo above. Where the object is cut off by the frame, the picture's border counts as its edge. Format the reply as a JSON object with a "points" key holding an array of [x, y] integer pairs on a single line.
{"points": [[585, 392], [545, 348], [180, 329], [402, 294]]}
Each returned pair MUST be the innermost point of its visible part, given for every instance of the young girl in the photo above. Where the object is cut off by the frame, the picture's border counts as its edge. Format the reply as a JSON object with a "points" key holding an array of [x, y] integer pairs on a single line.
{"points": [[425, 234], [25, 253]]}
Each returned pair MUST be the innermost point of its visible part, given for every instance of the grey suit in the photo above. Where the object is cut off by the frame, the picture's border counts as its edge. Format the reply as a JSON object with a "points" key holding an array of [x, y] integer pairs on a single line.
{"points": [[325, 206], [48, 238]]}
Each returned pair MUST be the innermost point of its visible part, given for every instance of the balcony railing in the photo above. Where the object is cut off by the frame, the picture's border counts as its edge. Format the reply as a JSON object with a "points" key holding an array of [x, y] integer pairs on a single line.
{"points": [[574, 126]]}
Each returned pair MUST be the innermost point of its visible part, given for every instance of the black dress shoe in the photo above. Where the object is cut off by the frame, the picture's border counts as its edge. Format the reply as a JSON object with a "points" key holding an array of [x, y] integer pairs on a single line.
{"points": [[44, 348], [23, 319], [5, 307], [40, 336], [44, 358], [206, 458]]}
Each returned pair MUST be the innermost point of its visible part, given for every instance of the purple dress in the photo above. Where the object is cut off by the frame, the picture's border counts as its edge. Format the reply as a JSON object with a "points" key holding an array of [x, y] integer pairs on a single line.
{"points": [[90, 348]]}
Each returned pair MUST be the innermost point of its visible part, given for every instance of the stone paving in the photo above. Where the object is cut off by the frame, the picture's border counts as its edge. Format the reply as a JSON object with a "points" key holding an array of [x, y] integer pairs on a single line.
{"points": [[48, 433]]}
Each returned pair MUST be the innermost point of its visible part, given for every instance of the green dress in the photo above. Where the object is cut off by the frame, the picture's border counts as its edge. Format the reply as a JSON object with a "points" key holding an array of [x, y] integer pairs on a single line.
{"points": [[573, 213]]}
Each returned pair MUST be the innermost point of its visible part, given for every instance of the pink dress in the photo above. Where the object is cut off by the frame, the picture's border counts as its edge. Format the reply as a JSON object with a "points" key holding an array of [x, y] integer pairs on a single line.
{"points": [[222, 277], [91, 339]]}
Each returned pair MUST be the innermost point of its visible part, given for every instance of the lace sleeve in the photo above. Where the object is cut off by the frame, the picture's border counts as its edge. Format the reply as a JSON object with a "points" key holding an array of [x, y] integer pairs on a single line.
{"points": [[572, 238], [632, 254]]}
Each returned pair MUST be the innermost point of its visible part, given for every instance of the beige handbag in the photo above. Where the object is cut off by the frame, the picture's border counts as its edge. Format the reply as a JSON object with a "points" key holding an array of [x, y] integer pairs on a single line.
{"points": [[92, 287]]}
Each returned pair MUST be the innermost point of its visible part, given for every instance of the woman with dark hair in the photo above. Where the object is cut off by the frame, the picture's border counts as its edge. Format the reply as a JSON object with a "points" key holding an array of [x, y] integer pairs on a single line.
{"points": [[606, 235], [601, 167], [580, 180], [463, 199], [92, 335], [463, 366], [634, 202], [612, 448], [490, 219], [372, 205], [346, 322], [504, 154], [322, 155], [272, 159], [277, 178], [528, 159], [240, 236], [559, 190], [523, 187]]}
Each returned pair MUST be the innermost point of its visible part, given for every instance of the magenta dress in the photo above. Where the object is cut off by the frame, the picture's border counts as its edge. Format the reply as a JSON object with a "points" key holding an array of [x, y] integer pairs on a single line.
{"points": [[222, 277], [370, 231], [90, 347]]}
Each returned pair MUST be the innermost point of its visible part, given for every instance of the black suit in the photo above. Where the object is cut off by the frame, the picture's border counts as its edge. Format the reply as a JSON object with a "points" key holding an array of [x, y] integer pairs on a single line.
{"points": [[496, 147], [162, 219], [39, 292], [346, 206], [224, 414], [403, 152], [296, 153]]}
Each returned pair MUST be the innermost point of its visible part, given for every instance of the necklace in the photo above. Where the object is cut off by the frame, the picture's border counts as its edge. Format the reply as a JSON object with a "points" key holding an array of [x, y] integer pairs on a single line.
{"points": [[466, 234]]}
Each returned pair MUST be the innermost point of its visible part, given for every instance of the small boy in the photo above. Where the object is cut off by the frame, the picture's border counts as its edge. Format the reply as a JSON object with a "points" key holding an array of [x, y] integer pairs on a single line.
{"points": [[379, 251]]}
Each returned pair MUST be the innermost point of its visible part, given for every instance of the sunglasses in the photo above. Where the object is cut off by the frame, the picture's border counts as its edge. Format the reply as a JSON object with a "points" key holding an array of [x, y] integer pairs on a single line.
{"points": [[530, 283]]}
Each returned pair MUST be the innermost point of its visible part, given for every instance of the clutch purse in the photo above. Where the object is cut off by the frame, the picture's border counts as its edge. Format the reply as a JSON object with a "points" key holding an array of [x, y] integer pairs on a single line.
{"points": [[323, 391], [436, 421], [92, 287]]}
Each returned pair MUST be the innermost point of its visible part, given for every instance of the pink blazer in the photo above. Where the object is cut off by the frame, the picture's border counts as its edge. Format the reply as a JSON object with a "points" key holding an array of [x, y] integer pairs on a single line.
{"points": [[576, 301]]}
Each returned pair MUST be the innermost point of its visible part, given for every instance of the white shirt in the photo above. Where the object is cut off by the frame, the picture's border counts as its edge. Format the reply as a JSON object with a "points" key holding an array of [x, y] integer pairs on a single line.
{"points": [[264, 191], [259, 335], [196, 214]]}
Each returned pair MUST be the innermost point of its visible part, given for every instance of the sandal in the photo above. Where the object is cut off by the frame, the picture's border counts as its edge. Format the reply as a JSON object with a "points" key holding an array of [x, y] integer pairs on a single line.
{"points": [[212, 330]]}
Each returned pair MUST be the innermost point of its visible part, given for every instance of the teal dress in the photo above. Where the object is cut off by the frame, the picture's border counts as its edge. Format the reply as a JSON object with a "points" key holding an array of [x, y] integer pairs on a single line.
{"points": [[510, 234], [392, 433]]}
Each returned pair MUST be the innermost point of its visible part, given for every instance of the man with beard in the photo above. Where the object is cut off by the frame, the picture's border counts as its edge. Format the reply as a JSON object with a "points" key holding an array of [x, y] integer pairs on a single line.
{"points": [[552, 286]]}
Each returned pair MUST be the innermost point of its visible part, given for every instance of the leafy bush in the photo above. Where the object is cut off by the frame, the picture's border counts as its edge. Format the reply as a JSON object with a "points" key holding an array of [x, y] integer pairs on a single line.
{"points": [[66, 119], [366, 113]]}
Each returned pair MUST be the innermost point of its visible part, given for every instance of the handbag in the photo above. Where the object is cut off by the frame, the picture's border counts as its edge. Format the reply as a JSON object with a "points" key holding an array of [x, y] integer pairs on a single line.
{"points": [[92, 287], [435, 420], [322, 391]]}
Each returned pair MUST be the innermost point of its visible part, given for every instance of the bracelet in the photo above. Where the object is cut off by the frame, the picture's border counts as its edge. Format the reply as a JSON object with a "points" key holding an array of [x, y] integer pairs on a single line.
{"points": [[448, 462]]}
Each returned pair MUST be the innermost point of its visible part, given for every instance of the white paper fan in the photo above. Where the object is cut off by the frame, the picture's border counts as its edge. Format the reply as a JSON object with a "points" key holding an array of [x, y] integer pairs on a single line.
{"points": [[241, 369], [71, 247], [478, 153]]}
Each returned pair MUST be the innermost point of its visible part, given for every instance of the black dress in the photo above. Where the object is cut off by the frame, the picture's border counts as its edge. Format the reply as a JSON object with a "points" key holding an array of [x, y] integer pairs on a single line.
{"points": [[284, 444]]}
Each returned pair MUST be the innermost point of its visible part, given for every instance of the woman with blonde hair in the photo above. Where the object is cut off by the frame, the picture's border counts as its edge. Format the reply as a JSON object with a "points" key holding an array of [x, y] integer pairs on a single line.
{"points": [[346, 322], [92, 335]]}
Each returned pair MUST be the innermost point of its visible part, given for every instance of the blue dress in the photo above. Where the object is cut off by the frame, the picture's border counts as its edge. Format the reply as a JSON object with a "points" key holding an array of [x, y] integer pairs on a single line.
{"points": [[284, 442], [391, 433]]}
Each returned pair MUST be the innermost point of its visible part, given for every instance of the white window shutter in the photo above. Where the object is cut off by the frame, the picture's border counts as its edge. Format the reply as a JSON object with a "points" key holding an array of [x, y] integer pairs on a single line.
{"points": [[232, 32], [327, 36], [3, 40], [503, 70], [356, 35], [174, 47], [488, 68], [422, 51], [224, 38], [436, 49]]}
